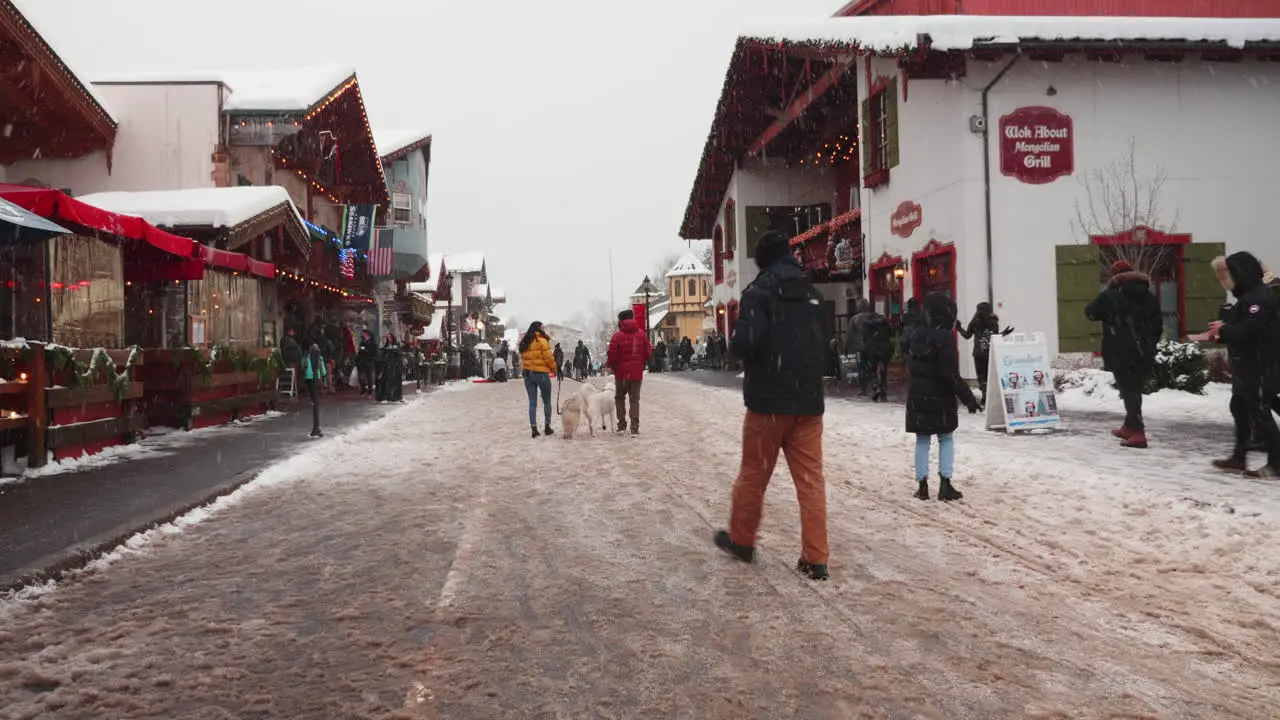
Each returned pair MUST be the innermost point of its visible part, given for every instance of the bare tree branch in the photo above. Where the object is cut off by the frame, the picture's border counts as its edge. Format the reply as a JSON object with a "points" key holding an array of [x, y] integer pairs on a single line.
{"points": [[1118, 199]]}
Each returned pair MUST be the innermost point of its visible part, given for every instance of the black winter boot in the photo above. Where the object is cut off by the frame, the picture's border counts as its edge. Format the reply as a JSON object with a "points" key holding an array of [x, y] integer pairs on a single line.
{"points": [[535, 430], [947, 493], [922, 493], [812, 571], [742, 552], [548, 431]]}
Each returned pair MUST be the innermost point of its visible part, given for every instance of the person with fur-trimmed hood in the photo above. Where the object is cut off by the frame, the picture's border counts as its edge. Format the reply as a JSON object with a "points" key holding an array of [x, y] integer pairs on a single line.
{"points": [[934, 391], [1251, 331], [1131, 328]]}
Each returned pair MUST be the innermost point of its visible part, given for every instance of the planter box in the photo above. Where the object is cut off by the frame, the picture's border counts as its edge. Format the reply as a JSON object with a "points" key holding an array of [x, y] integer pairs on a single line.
{"points": [[94, 395]]}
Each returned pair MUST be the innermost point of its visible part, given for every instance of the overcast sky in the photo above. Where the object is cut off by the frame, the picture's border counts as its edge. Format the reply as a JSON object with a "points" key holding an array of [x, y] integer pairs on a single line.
{"points": [[563, 128]]}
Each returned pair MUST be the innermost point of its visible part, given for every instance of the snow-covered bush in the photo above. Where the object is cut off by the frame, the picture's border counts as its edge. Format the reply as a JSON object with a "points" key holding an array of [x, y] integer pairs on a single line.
{"points": [[1179, 366]]}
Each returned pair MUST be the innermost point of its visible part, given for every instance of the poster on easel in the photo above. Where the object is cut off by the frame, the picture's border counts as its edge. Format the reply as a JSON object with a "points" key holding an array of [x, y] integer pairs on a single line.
{"points": [[1020, 393]]}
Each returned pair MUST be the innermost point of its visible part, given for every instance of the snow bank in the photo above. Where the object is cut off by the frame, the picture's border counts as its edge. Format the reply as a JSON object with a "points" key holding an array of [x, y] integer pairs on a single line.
{"points": [[965, 32], [290, 90], [211, 207], [390, 142], [1089, 390]]}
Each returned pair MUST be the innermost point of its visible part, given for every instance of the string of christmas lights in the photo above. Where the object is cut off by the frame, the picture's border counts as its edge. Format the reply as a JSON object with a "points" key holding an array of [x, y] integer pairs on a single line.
{"points": [[319, 285]]}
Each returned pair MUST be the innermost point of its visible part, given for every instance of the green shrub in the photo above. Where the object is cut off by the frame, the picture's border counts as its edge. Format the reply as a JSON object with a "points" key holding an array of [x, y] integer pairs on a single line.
{"points": [[1179, 366]]}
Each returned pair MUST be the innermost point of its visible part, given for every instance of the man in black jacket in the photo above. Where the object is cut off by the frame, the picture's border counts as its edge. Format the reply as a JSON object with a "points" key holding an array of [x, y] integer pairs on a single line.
{"points": [[1251, 331], [1131, 329], [780, 340]]}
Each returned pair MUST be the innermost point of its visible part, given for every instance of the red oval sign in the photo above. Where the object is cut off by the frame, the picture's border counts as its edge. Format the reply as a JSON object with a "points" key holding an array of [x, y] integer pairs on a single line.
{"points": [[906, 219], [1037, 145]]}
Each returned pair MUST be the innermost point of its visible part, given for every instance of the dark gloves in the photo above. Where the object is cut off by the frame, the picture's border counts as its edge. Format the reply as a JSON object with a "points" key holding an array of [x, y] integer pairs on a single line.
{"points": [[973, 409], [1007, 330]]}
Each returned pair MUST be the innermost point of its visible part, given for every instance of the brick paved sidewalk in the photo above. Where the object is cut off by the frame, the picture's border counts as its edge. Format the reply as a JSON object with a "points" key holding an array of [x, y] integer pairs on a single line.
{"points": [[58, 521]]}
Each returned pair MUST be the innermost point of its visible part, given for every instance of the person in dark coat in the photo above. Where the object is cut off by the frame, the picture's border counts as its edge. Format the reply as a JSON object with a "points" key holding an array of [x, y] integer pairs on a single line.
{"points": [[581, 361], [1131, 328], [854, 336], [779, 337], [934, 386], [912, 320], [984, 325], [366, 358], [878, 348], [558, 354], [1251, 331], [686, 352]]}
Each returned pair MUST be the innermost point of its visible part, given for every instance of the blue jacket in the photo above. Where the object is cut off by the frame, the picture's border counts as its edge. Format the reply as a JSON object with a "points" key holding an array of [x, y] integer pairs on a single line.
{"points": [[313, 356]]}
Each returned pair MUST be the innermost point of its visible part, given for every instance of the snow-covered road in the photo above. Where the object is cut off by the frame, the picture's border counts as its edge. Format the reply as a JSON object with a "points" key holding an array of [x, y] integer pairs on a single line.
{"points": [[440, 564]]}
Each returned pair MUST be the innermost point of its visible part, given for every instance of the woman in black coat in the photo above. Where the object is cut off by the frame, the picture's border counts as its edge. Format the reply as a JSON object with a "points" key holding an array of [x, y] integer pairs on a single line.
{"points": [[934, 386], [984, 325]]}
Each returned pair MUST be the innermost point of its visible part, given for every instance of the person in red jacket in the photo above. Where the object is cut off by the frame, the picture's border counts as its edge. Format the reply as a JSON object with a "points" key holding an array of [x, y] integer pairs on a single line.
{"points": [[629, 352]]}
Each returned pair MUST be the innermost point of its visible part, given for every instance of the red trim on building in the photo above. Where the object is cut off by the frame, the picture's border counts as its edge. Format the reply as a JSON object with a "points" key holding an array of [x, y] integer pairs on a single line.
{"points": [[919, 259], [717, 255]]}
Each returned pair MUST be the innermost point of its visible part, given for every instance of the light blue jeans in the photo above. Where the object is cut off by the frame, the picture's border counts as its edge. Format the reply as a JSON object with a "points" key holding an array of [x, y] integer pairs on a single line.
{"points": [[946, 455], [534, 383]]}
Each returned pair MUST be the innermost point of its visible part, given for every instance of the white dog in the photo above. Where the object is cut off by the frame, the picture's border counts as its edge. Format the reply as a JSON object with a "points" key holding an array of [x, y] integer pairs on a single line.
{"points": [[578, 410], [601, 410]]}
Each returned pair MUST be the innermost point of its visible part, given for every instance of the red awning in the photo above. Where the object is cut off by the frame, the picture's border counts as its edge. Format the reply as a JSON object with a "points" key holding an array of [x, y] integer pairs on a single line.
{"points": [[238, 262], [60, 207]]}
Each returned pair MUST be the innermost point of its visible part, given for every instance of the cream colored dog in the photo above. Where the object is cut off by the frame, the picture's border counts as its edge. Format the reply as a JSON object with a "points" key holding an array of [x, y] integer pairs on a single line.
{"points": [[578, 410], [571, 416]]}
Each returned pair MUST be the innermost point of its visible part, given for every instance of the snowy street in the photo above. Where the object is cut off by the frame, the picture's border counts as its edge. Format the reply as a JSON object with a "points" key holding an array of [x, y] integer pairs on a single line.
{"points": [[437, 563]]}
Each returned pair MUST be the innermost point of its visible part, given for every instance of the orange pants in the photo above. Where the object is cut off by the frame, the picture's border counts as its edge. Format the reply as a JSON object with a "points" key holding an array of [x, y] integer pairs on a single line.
{"points": [[800, 438]]}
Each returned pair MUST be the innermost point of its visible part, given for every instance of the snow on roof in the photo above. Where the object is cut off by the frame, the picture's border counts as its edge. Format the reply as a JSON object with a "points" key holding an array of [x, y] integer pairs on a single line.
{"points": [[389, 142], [964, 32], [480, 291], [688, 265], [159, 78], [656, 318], [426, 288], [465, 262], [432, 330], [213, 207], [498, 294], [290, 90], [79, 76]]}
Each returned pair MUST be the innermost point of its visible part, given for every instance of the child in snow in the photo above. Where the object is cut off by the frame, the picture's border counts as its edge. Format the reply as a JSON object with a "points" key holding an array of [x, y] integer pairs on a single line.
{"points": [[933, 387]]}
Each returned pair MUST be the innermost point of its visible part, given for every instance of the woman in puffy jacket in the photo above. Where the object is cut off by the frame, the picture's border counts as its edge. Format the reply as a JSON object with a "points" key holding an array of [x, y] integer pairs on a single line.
{"points": [[538, 363]]}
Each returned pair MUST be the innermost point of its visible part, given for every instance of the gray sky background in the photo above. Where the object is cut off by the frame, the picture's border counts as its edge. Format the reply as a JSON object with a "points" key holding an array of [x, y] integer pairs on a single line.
{"points": [[563, 128]]}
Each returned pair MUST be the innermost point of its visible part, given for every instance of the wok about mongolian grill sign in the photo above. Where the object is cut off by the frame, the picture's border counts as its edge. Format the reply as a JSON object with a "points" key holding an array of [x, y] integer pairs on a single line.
{"points": [[1037, 145], [906, 219]]}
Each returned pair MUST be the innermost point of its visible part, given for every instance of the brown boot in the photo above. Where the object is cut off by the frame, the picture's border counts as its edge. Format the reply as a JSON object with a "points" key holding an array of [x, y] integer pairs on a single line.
{"points": [[1233, 464], [1138, 439]]}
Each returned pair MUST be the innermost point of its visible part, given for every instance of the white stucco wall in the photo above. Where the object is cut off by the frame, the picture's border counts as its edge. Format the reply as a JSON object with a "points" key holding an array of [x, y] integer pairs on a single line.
{"points": [[165, 141], [1207, 124], [756, 184]]}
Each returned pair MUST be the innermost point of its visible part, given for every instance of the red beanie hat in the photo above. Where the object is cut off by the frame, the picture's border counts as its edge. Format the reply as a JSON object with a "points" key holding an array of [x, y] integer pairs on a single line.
{"points": [[1121, 266]]}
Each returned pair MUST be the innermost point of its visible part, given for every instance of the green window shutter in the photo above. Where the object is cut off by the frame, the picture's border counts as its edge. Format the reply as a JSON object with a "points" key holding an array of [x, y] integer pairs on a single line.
{"points": [[891, 122], [1201, 293], [757, 223], [1079, 276], [866, 141]]}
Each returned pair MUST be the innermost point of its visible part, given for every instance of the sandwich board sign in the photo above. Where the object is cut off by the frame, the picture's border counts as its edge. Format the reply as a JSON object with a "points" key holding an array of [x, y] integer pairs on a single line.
{"points": [[1020, 394]]}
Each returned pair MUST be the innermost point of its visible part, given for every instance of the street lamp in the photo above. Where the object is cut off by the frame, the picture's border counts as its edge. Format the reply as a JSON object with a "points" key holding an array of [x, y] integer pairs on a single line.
{"points": [[448, 322], [648, 288]]}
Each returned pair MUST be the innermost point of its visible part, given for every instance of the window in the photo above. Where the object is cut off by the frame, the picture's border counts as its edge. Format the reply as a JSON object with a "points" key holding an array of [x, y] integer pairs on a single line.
{"points": [[675, 288], [787, 219], [730, 230], [717, 255], [693, 288], [401, 208], [878, 133]]}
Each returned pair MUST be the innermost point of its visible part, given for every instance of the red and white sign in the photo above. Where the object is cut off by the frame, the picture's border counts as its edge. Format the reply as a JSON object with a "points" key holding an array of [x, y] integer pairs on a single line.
{"points": [[642, 315], [906, 219], [1037, 145]]}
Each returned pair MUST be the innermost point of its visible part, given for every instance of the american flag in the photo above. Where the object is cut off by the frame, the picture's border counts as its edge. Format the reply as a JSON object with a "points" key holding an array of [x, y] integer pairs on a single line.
{"points": [[380, 253]]}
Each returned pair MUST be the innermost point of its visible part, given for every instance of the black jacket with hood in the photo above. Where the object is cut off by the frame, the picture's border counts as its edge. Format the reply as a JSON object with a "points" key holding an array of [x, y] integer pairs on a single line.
{"points": [[1251, 328], [1131, 324], [933, 367], [779, 338]]}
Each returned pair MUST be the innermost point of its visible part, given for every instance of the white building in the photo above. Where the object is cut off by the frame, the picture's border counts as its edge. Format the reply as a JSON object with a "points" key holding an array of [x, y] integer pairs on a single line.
{"points": [[1041, 116]]}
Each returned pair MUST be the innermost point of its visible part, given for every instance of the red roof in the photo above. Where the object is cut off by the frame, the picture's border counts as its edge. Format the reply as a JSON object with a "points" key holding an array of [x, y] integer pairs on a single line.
{"points": [[66, 210]]}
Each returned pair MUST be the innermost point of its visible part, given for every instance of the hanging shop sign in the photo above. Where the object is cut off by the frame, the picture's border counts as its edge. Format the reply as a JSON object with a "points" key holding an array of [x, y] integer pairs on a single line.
{"points": [[844, 257], [1020, 393], [642, 315], [1037, 145], [357, 226], [906, 219], [347, 261]]}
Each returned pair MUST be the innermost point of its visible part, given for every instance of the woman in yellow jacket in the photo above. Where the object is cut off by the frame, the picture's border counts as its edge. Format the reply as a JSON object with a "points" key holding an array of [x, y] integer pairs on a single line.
{"points": [[539, 363]]}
